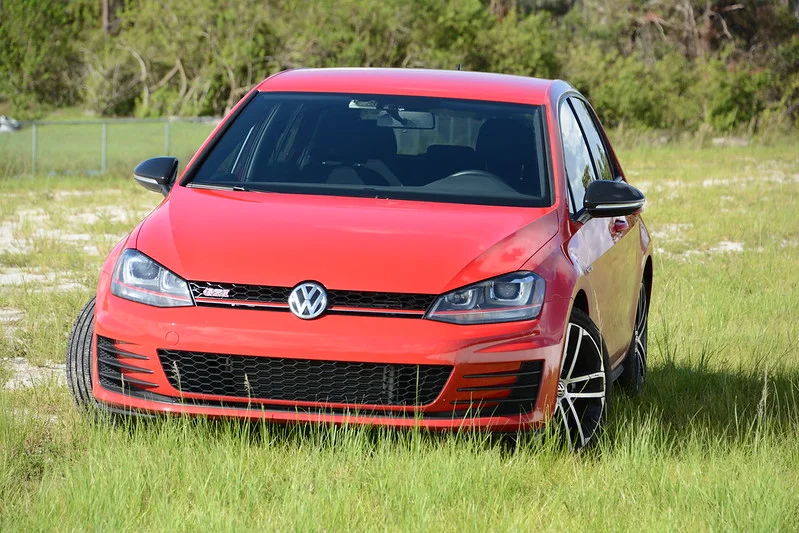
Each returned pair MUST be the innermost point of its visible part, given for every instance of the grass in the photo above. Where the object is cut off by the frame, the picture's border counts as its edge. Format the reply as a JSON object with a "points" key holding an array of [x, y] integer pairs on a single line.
{"points": [[710, 446], [77, 149]]}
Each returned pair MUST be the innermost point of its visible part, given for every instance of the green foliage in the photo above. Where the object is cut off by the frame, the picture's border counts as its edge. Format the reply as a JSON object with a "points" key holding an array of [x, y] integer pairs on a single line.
{"points": [[626, 90], [35, 54], [782, 89], [682, 65], [371, 33], [519, 45], [733, 95]]}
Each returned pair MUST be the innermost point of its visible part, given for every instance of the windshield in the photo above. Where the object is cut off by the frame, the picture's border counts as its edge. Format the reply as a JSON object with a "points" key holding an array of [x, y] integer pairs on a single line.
{"points": [[403, 147]]}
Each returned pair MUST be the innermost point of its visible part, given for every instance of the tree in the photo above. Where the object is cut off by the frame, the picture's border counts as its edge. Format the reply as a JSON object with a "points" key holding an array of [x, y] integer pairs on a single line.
{"points": [[36, 53]]}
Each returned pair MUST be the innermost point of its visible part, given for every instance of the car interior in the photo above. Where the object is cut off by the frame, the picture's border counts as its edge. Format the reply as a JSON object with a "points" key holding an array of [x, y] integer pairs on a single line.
{"points": [[468, 150]]}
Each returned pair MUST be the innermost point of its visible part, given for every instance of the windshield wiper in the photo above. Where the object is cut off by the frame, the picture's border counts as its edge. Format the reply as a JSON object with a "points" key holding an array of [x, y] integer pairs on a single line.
{"points": [[215, 187]]}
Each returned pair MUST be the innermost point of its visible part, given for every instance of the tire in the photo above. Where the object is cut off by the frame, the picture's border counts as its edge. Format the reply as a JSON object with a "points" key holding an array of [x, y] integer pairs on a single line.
{"points": [[633, 377], [585, 386], [79, 358]]}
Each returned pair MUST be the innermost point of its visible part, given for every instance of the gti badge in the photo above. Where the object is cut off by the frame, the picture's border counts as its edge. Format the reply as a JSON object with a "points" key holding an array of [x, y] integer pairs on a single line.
{"points": [[308, 300], [216, 293]]}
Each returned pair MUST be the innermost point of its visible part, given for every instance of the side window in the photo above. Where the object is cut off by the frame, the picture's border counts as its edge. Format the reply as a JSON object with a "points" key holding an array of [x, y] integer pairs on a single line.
{"points": [[594, 138], [579, 169]]}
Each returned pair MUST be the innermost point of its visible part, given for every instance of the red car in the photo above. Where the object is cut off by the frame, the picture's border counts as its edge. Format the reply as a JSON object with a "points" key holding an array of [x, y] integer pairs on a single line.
{"points": [[395, 247]]}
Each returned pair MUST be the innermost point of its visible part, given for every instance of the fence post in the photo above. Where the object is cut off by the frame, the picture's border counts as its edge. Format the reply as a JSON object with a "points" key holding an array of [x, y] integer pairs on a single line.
{"points": [[104, 152], [33, 149], [166, 137]]}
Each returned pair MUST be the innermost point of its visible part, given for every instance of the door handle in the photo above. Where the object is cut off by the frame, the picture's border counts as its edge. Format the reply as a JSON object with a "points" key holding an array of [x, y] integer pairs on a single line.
{"points": [[620, 225]]}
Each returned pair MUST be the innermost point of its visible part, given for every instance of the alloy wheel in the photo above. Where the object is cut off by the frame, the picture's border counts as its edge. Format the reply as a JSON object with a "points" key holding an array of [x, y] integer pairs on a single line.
{"points": [[582, 389], [641, 315]]}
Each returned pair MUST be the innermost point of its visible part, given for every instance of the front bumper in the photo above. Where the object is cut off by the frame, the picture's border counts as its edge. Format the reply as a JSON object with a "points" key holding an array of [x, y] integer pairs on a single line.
{"points": [[485, 361]]}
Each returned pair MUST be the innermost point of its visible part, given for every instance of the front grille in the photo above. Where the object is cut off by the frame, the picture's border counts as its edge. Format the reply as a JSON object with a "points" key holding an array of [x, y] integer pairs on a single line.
{"points": [[302, 380], [509, 392], [243, 293], [338, 300], [380, 300], [114, 366]]}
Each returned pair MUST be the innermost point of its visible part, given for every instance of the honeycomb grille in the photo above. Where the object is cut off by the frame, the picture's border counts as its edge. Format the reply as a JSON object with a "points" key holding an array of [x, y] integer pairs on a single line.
{"points": [[272, 378], [244, 293], [336, 298]]}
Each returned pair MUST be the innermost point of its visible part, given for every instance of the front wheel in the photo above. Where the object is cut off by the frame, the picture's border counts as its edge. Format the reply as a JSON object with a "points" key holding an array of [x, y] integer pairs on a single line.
{"points": [[79, 358], [585, 384]]}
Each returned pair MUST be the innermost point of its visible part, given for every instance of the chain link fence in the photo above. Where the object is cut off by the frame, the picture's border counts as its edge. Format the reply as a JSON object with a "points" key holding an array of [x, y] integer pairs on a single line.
{"points": [[98, 147]]}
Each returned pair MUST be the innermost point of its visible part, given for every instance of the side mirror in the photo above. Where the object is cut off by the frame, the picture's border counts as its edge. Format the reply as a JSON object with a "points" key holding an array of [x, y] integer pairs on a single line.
{"points": [[605, 198], [157, 174]]}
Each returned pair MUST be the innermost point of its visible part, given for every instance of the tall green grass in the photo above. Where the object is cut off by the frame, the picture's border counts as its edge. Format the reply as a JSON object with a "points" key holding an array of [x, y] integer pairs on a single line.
{"points": [[710, 446]]}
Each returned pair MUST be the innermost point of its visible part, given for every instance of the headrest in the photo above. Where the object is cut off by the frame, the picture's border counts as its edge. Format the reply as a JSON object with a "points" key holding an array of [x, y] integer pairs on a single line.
{"points": [[507, 139]]}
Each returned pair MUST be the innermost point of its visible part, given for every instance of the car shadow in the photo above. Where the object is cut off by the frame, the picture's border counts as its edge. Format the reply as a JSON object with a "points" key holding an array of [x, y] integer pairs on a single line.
{"points": [[693, 397]]}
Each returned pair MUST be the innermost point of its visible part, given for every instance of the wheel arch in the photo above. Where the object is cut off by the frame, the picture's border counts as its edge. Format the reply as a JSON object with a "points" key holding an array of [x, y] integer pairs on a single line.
{"points": [[647, 278], [581, 302]]}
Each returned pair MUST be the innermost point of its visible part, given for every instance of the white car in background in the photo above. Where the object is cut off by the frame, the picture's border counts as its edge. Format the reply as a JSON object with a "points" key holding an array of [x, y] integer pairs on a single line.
{"points": [[9, 125]]}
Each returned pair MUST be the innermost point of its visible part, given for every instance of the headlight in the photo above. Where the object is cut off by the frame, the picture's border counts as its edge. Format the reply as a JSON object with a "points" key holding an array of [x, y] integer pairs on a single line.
{"points": [[508, 298], [139, 278]]}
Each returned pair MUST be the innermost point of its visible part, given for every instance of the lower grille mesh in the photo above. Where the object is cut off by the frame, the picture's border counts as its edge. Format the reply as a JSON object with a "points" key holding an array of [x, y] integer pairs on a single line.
{"points": [[272, 378], [110, 376]]}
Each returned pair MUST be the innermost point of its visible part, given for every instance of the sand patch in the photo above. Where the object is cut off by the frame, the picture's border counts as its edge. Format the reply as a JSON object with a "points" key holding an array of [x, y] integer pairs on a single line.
{"points": [[670, 232], [25, 375], [8, 319], [48, 281], [727, 247]]}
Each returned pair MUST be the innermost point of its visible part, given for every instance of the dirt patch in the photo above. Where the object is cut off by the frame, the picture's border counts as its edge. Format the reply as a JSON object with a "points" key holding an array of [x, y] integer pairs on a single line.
{"points": [[9, 243], [25, 375], [670, 232], [18, 277], [723, 247], [62, 195], [38, 218], [8, 319], [775, 177], [727, 247], [111, 213], [58, 235]]}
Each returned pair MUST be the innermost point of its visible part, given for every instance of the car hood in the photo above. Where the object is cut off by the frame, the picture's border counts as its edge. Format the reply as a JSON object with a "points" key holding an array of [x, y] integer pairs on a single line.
{"points": [[364, 244]]}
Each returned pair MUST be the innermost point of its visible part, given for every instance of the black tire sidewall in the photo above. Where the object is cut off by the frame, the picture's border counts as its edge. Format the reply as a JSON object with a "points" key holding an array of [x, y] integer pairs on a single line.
{"points": [[79, 357]]}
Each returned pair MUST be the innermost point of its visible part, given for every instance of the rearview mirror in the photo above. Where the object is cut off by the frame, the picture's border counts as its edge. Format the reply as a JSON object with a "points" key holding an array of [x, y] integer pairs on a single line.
{"points": [[605, 198], [157, 174]]}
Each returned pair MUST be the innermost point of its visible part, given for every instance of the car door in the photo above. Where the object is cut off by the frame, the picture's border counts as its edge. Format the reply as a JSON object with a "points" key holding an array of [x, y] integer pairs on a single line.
{"points": [[605, 248]]}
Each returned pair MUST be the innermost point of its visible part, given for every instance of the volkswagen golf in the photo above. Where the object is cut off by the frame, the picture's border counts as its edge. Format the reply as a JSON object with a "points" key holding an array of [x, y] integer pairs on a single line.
{"points": [[394, 247]]}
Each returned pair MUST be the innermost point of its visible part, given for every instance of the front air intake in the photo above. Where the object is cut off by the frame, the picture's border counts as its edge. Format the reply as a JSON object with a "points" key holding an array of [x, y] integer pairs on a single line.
{"points": [[304, 380]]}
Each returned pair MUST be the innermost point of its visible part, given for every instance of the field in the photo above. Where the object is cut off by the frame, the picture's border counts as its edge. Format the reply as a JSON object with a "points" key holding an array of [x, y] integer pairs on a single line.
{"points": [[712, 445], [68, 148]]}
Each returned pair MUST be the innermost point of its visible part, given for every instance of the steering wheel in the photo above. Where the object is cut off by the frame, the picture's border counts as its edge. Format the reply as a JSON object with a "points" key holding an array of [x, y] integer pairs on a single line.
{"points": [[474, 172]]}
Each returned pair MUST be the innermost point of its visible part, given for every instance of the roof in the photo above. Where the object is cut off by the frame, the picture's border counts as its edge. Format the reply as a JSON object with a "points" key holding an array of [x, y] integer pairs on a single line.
{"points": [[415, 82]]}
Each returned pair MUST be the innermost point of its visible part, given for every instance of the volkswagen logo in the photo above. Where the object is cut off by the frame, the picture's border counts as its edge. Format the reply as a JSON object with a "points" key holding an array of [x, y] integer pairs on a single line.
{"points": [[308, 300]]}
